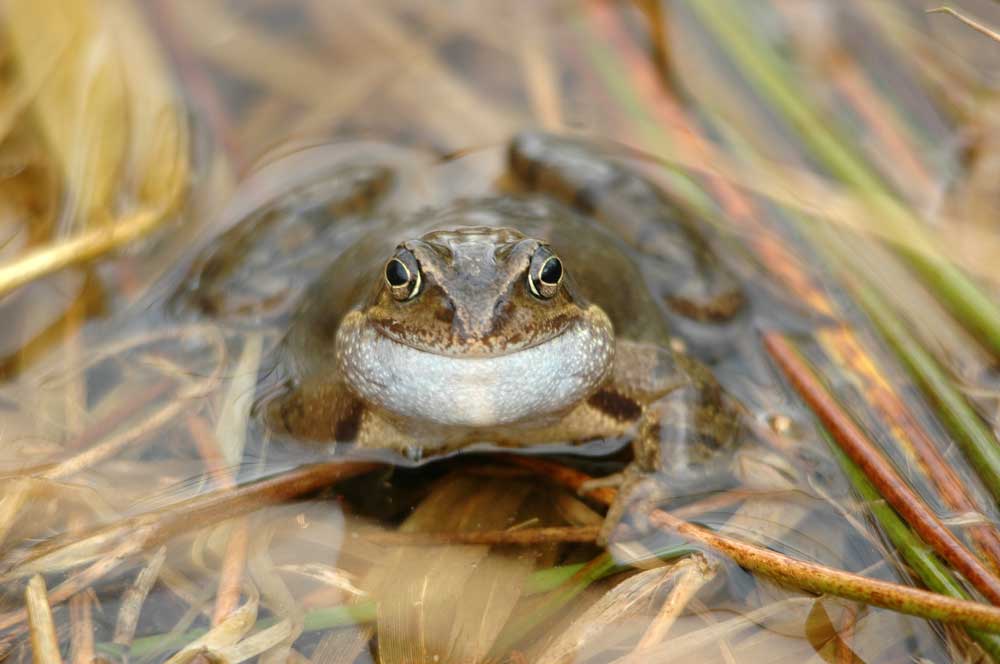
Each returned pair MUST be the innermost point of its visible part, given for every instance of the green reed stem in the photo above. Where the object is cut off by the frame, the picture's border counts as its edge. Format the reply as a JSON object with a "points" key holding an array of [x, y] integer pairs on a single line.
{"points": [[765, 70], [965, 426], [615, 75], [921, 559]]}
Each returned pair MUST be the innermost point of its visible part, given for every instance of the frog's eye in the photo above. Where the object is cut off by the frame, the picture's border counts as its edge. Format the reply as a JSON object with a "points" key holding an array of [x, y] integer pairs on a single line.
{"points": [[544, 274], [402, 276]]}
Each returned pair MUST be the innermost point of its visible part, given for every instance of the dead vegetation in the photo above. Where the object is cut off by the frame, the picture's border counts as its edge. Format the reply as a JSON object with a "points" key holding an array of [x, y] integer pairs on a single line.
{"points": [[845, 151]]}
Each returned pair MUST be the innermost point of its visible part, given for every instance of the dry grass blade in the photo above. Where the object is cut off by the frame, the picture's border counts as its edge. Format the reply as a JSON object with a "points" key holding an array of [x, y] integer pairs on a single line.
{"points": [[691, 575], [79, 249], [15, 493], [158, 159], [113, 444], [629, 600], [264, 641], [108, 108], [135, 597], [233, 567], [227, 633], [704, 639], [81, 106], [75, 584], [234, 559], [978, 26], [44, 644], [81, 628], [230, 430], [276, 596], [113, 433], [522, 537], [111, 121], [120, 541]]}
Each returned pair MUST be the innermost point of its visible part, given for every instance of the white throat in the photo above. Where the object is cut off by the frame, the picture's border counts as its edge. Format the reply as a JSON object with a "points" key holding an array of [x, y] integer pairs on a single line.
{"points": [[475, 392]]}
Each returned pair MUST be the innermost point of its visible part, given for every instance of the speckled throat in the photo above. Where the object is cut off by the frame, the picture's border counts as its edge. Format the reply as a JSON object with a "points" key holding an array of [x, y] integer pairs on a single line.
{"points": [[477, 392]]}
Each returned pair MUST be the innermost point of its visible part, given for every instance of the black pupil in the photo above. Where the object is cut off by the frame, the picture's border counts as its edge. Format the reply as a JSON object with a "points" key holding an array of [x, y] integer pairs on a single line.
{"points": [[396, 273], [551, 271]]}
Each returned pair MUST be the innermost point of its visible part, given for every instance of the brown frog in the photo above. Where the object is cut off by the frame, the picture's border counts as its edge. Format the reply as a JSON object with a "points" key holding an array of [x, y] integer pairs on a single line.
{"points": [[517, 320]]}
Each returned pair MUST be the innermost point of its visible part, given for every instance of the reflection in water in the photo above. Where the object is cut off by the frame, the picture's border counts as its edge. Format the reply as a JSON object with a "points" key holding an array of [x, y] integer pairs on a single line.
{"points": [[143, 471]]}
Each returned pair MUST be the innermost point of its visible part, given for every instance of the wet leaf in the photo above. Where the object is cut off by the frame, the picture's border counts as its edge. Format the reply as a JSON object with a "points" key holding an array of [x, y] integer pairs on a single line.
{"points": [[448, 604]]}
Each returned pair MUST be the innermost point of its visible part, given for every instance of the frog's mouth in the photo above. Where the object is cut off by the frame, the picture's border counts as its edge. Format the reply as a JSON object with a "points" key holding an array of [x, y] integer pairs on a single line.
{"points": [[477, 391], [455, 342]]}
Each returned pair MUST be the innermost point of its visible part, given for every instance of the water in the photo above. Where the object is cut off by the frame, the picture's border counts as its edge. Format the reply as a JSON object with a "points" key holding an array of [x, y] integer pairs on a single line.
{"points": [[127, 414]]}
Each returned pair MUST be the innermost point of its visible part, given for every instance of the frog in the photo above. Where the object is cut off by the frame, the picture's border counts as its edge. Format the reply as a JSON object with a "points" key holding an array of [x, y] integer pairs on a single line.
{"points": [[522, 319]]}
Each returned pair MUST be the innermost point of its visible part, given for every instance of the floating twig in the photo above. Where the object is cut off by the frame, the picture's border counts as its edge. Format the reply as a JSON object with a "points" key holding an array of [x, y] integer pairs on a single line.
{"points": [[977, 442], [85, 247], [879, 470], [806, 576], [691, 574], [135, 597], [522, 537]]}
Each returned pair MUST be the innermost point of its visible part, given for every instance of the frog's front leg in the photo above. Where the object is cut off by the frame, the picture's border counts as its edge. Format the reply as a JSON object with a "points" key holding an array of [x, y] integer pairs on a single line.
{"points": [[683, 267], [642, 373], [328, 412], [684, 435], [687, 435]]}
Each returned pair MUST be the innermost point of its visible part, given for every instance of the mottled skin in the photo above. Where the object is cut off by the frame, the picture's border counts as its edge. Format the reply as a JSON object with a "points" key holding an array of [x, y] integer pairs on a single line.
{"points": [[225, 279], [683, 270], [463, 342], [475, 303], [480, 316]]}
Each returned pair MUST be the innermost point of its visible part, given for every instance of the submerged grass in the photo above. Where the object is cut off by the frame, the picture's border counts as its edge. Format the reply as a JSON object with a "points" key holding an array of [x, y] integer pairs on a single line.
{"points": [[975, 308], [856, 445], [93, 97], [967, 429], [106, 109], [921, 558], [978, 311], [562, 584]]}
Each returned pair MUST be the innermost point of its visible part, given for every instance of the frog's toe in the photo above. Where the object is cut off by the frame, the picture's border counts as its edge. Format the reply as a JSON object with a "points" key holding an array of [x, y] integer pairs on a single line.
{"points": [[636, 489], [612, 481]]}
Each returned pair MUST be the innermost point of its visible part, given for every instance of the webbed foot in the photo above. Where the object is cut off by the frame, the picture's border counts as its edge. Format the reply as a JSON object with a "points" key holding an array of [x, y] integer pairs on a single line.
{"points": [[638, 492]]}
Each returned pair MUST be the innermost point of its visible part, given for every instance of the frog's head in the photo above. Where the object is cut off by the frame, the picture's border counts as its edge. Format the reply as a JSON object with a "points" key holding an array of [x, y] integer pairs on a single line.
{"points": [[477, 326]]}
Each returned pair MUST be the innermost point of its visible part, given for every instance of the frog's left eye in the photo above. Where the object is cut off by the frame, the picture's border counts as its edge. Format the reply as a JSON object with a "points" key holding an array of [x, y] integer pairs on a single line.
{"points": [[545, 274], [402, 275]]}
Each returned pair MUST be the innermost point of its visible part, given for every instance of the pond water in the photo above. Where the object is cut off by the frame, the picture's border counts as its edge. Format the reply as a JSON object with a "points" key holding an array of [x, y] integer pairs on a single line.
{"points": [[179, 466]]}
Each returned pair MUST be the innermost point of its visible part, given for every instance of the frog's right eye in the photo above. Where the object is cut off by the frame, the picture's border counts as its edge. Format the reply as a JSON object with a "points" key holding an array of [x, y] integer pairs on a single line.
{"points": [[402, 276]]}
